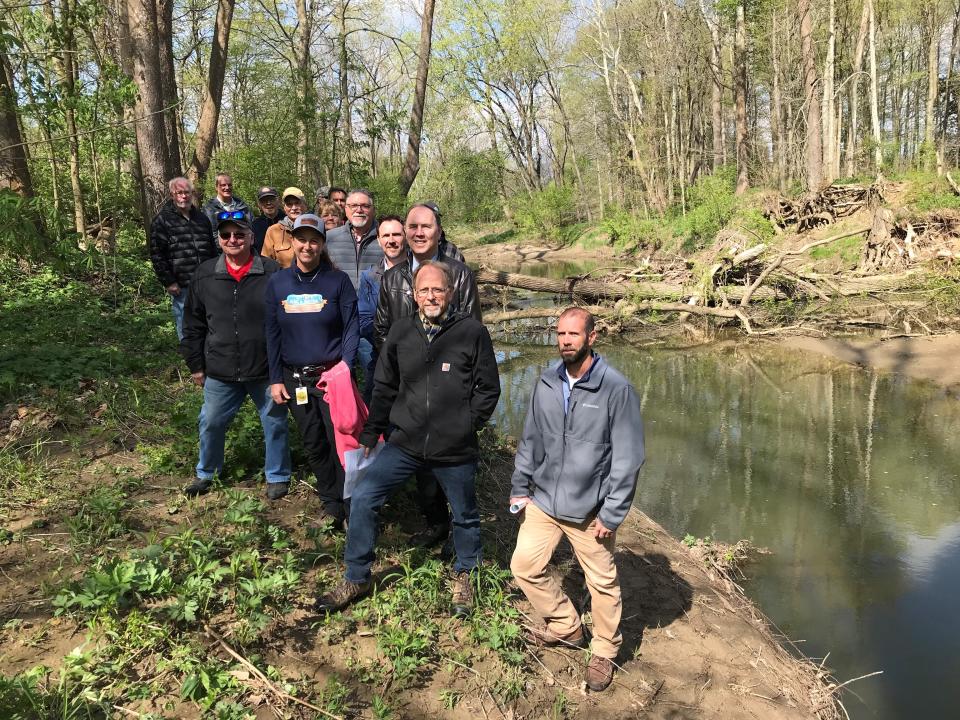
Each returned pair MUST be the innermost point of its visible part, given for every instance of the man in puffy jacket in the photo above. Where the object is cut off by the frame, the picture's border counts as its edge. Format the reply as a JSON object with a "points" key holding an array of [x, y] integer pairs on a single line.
{"points": [[225, 347], [224, 201], [181, 238], [437, 384], [575, 477]]}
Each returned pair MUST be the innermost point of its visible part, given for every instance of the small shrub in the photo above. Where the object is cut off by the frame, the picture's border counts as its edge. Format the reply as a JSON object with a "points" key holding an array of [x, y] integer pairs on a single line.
{"points": [[546, 213]]}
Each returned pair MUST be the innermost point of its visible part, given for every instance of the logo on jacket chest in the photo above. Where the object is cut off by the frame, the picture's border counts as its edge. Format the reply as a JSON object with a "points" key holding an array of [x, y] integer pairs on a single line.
{"points": [[304, 303]]}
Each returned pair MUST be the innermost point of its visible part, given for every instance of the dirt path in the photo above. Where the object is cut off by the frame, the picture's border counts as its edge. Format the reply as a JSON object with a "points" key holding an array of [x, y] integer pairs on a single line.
{"points": [[695, 647], [922, 358]]}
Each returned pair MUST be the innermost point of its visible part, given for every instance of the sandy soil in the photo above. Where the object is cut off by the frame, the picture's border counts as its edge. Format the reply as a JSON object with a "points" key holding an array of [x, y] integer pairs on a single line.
{"points": [[923, 358]]}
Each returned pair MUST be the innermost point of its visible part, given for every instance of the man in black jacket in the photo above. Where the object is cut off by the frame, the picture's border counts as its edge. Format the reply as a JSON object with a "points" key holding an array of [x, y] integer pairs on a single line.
{"points": [[225, 348], [437, 384], [180, 239], [396, 289]]}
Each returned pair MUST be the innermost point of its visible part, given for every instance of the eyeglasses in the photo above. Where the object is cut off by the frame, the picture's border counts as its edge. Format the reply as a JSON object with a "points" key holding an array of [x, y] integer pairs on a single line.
{"points": [[238, 234], [424, 292], [183, 192], [359, 206], [231, 215]]}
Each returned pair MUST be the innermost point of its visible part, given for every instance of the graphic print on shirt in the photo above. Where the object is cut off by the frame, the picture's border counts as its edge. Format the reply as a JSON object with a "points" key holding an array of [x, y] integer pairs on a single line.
{"points": [[308, 303]]}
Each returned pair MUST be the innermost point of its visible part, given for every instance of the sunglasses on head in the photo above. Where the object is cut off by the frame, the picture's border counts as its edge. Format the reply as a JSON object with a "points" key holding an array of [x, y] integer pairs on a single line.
{"points": [[231, 215]]}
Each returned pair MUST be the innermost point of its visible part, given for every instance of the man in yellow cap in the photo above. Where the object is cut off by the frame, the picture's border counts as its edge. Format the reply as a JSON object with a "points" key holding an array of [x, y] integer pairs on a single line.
{"points": [[278, 242]]}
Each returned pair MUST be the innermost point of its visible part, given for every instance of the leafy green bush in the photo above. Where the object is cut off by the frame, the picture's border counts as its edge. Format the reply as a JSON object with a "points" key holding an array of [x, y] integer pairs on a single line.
{"points": [[712, 204], [628, 231], [545, 213]]}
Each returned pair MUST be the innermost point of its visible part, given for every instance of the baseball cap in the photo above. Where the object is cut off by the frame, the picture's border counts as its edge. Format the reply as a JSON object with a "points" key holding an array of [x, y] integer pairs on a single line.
{"points": [[296, 192], [237, 217], [309, 220], [433, 206], [266, 191]]}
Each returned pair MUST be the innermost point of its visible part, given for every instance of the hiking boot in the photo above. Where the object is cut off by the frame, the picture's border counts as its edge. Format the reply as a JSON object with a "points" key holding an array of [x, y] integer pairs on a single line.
{"points": [[543, 637], [199, 486], [462, 595], [277, 490], [599, 673], [431, 536], [342, 595]]}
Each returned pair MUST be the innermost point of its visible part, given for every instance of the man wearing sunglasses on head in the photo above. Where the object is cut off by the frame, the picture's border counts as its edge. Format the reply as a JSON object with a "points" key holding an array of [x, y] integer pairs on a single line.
{"points": [[225, 348], [225, 201]]}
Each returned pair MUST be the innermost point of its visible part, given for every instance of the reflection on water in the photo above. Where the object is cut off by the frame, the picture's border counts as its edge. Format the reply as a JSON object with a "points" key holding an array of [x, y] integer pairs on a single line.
{"points": [[849, 477]]}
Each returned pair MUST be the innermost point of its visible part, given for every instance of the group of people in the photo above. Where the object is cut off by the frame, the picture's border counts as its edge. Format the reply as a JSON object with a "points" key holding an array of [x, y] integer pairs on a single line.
{"points": [[337, 293]]}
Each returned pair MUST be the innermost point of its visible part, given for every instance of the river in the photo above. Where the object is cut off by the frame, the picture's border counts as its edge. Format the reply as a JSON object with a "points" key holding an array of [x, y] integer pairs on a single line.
{"points": [[849, 477]]}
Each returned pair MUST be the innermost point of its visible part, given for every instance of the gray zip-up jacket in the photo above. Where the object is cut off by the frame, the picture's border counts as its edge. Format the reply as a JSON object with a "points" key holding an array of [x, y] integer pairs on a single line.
{"points": [[585, 462], [350, 258]]}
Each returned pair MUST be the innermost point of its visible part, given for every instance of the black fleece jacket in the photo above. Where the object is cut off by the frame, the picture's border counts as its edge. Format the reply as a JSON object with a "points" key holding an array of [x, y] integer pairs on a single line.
{"points": [[437, 394], [178, 244], [223, 321]]}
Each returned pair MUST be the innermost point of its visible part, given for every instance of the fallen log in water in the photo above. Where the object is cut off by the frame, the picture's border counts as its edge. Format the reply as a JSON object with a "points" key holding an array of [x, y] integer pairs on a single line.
{"points": [[586, 289], [602, 311]]}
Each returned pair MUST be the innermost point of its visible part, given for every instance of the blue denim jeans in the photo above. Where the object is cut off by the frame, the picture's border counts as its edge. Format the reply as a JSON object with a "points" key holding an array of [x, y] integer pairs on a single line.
{"points": [[177, 302], [221, 401], [389, 471]]}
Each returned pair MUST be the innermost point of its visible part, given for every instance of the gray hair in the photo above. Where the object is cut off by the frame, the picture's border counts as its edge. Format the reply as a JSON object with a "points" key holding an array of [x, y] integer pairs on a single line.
{"points": [[361, 191], [178, 180], [439, 265]]}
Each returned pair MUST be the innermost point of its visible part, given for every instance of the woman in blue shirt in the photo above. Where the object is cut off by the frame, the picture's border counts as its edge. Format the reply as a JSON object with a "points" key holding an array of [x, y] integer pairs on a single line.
{"points": [[311, 325]]}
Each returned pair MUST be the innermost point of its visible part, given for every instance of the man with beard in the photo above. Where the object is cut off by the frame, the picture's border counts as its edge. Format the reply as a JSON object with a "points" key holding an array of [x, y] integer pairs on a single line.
{"points": [[575, 477], [437, 385]]}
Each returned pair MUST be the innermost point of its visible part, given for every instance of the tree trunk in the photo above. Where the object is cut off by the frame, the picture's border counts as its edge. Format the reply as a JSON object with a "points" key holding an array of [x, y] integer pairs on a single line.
{"points": [[776, 111], [828, 113], [347, 108], [206, 135], [411, 165], [168, 78], [853, 97], [740, 90], [814, 145], [14, 170], [150, 130], [64, 62], [933, 77], [716, 95], [306, 96]]}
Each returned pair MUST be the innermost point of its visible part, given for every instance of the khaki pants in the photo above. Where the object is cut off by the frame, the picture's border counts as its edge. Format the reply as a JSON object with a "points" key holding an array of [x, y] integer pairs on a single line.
{"points": [[538, 538]]}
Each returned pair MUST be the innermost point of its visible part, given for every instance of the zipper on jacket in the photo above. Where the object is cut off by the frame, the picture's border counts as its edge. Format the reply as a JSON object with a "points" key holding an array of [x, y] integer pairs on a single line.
{"points": [[236, 328]]}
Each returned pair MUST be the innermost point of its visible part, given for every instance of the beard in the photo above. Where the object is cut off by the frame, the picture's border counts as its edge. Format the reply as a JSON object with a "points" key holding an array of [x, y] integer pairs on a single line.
{"points": [[433, 311], [573, 357]]}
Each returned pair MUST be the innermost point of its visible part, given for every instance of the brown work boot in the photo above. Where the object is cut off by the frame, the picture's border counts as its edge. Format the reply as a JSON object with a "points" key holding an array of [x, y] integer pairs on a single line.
{"points": [[599, 673], [543, 637], [342, 595], [325, 522], [462, 595]]}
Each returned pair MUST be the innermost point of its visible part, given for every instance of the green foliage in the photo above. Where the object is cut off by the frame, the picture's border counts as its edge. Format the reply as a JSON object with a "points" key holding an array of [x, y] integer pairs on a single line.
{"points": [[712, 204], [849, 249], [41, 693], [629, 231], [546, 213], [19, 232], [467, 186], [98, 518], [929, 192]]}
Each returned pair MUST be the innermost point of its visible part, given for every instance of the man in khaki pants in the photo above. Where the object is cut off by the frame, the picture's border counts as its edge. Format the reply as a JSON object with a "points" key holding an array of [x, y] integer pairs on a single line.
{"points": [[576, 474]]}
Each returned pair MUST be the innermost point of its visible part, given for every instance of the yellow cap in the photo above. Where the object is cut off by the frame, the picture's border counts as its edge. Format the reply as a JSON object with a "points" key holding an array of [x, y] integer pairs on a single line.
{"points": [[296, 192]]}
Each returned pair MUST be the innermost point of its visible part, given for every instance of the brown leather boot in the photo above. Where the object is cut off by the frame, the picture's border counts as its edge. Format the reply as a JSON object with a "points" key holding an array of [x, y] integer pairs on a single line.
{"points": [[599, 673], [543, 637]]}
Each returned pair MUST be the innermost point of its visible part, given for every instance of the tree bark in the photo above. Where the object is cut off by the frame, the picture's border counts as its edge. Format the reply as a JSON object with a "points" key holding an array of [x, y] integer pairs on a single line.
{"points": [[411, 165], [853, 96], [828, 112], [14, 169], [206, 135], [740, 90], [150, 129], [64, 61], [168, 78], [814, 145], [716, 94], [776, 110], [933, 76], [306, 95]]}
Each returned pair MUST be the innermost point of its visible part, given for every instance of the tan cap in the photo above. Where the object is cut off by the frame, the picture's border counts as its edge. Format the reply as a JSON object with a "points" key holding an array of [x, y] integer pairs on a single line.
{"points": [[296, 192]]}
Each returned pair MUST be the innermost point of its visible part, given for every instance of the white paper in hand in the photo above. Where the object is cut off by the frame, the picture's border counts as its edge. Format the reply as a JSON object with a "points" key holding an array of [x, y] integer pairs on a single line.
{"points": [[355, 465]]}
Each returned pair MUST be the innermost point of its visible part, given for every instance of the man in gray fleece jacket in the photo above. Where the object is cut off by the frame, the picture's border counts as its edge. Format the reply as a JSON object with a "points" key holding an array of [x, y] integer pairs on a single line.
{"points": [[576, 474]]}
